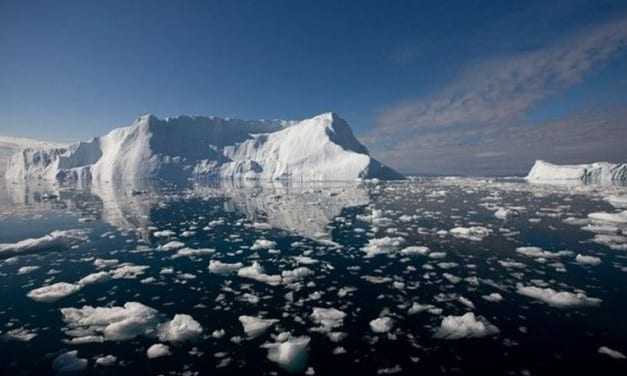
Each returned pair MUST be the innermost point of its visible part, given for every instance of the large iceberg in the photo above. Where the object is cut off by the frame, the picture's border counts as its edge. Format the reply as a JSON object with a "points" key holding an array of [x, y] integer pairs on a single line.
{"points": [[320, 148], [599, 172]]}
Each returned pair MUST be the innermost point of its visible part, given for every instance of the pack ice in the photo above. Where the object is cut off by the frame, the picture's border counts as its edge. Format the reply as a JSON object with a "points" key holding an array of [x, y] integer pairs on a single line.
{"points": [[320, 148], [598, 172]]}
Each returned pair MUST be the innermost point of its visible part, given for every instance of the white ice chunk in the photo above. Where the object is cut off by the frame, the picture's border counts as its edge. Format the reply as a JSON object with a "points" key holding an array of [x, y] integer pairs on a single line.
{"points": [[465, 326], [559, 299], [54, 292], [256, 326]]}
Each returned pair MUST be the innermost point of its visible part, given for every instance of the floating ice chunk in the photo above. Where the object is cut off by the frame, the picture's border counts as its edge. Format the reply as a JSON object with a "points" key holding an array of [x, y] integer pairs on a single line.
{"points": [[418, 308], [263, 244], [512, 264], [613, 241], [493, 297], [110, 323], [381, 324], [190, 252], [618, 201], [537, 252], [609, 217], [19, 334], [181, 328], [382, 246], [158, 350], [305, 260], [128, 271], [26, 269], [476, 233], [587, 260], [106, 361], [465, 326], [54, 292], [104, 263], [611, 353], [290, 354], [415, 250], [504, 213], [256, 326], [69, 362], [220, 267], [94, 278], [327, 318], [56, 240], [559, 299], [163, 234], [172, 245], [256, 272], [291, 276]]}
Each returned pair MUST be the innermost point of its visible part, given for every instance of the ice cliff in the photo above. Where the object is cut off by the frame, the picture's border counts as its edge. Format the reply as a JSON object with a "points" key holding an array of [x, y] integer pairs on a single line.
{"points": [[320, 148], [599, 172]]}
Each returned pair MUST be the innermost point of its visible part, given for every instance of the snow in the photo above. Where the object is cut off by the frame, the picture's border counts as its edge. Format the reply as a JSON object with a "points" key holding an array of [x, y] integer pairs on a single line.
{"points": [[465, 326], [56, 240], [54, 292], [599, 172], [381, 324], [255, 326], [181, 328], [559, 299], [69, 362], [290, 354], [319, 148], [158, 350]]}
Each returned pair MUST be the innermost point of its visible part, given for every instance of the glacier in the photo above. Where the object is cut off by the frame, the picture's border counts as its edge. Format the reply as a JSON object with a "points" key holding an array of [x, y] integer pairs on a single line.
{"points": [[598, 172], [321, 148]]}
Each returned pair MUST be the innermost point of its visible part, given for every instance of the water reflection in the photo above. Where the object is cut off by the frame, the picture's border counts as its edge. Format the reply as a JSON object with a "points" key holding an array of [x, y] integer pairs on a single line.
{"points": [[304, 209]]}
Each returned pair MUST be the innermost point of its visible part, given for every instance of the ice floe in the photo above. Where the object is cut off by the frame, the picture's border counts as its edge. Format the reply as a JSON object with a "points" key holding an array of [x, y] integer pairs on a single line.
{"points": [[255, 326], [559, 299], [465, 326], [56, 240]]}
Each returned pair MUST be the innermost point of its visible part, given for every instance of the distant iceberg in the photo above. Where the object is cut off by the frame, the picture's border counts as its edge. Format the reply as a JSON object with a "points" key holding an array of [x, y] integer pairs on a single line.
{"points": [[322, 148], [598, 172]]}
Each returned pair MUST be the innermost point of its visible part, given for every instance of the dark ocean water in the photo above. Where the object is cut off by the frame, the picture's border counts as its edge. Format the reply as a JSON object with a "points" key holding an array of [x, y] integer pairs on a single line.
{"points": [[331, 224]]}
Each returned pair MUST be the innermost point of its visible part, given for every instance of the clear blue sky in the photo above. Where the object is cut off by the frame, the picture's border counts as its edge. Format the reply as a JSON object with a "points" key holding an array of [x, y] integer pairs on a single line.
{"points": [[75, 69]]}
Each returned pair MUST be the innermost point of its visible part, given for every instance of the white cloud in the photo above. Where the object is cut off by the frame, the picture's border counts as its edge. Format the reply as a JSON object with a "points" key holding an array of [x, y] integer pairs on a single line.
{"points": [[501, 89]]}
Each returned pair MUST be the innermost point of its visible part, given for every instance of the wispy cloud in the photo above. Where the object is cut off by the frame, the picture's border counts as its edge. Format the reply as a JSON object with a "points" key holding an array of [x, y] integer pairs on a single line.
{"points": [[502, 90]]}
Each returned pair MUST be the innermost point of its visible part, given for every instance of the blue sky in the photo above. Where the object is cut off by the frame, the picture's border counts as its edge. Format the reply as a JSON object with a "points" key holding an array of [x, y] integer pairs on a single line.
{"points": [[395, 70]]}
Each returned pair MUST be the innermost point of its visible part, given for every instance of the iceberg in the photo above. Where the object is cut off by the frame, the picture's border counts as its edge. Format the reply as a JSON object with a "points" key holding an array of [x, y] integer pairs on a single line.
{"points": [[322, 148], [598, 172]]}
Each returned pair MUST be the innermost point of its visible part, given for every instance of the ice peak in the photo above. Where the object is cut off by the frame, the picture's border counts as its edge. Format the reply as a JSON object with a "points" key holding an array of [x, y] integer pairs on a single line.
{"points": [[146, 118]]}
